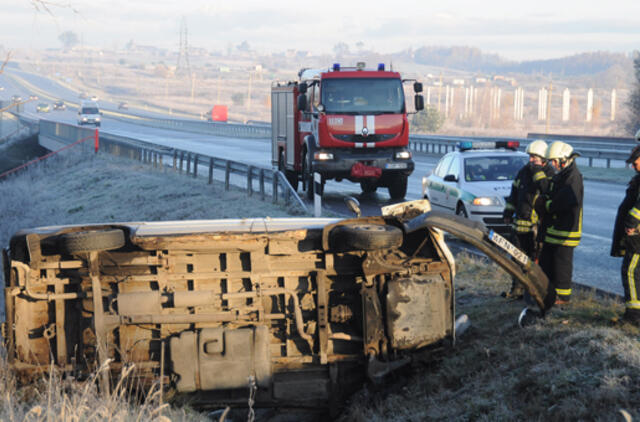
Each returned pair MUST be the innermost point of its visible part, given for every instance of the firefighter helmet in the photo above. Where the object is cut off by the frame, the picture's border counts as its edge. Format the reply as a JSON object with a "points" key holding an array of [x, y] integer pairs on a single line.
{"points": [[560, 151], [538, 148], [635, 154]]}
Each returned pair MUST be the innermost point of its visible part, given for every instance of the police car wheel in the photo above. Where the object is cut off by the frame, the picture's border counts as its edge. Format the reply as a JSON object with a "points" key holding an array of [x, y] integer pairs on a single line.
{"points": [[461, 211]]}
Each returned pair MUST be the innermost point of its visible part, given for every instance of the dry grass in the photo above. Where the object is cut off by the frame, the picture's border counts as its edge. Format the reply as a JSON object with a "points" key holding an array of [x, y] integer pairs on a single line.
{"points": [[54, 398], [580, 363]]}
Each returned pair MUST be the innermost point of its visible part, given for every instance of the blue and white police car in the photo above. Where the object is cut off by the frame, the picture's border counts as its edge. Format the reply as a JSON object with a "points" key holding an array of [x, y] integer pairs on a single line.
{"points": [[475, 180]]}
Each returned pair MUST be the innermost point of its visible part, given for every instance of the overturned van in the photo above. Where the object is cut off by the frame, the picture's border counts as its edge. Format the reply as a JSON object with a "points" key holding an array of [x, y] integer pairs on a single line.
{"points": [[298, 311]]}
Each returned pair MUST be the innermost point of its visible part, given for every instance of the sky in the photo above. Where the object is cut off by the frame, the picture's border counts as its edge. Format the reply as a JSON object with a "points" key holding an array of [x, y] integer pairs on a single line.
{"points": [[516, 30]]}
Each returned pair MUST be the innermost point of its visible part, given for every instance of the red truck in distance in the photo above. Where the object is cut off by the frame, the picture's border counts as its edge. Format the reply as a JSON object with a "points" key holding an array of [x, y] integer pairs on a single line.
{"points": [[345, 124]]}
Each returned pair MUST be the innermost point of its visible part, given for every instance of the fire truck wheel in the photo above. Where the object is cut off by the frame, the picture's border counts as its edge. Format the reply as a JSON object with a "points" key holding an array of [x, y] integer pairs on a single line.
{"points": [[364, 237], [291, 176], [368, 186], [398, 187], [307, 179], [93, 241]]}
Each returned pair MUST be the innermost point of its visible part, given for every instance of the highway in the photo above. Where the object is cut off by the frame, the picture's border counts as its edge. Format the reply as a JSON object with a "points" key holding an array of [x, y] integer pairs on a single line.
{"points": [[592, 265]]}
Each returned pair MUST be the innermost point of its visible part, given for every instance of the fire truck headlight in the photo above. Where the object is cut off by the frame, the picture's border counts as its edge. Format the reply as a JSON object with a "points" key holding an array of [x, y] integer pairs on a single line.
{"points": [[323, 156], [403, 155]]}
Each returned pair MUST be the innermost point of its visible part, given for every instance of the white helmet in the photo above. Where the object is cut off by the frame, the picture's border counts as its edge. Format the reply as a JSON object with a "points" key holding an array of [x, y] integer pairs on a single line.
{"points": [[559, 151], [538, 148]]}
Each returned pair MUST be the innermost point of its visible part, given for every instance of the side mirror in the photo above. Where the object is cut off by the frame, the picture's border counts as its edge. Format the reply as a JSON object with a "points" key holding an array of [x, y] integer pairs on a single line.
{"points": [[419, 102], [302, 102], [450, 178], [302, 87], [353, 205], [417, 87]]}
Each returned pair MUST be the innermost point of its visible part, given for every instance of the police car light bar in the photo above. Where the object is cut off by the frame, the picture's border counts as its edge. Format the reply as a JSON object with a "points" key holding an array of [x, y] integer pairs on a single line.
{"points": [[467, 145]]}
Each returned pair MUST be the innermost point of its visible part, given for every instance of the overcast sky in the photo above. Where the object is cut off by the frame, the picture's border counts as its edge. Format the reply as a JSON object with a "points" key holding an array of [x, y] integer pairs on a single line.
{"points": [[518, 30]]}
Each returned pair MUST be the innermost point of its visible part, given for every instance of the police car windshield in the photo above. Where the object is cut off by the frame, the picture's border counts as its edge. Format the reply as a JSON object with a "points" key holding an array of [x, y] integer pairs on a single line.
{"points": [[366, 95], [486, 169]]}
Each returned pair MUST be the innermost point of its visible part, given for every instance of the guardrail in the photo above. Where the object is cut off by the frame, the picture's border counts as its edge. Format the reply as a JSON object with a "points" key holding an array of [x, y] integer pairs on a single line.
{"points": [[196, 126], [589, 147], [256, 180], [440, 145]]}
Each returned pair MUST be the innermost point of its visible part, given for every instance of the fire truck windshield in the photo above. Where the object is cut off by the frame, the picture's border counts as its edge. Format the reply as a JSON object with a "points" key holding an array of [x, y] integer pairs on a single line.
{"points": [[362, 96]]}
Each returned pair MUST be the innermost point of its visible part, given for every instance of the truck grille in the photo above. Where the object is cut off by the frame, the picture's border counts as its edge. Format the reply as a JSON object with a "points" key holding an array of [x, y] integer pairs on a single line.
{"points": [[360, 138]]}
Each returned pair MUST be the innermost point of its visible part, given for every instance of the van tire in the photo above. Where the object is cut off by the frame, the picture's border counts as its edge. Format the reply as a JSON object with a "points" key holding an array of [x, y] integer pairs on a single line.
{"points": [[93, 241], [365, 237]]}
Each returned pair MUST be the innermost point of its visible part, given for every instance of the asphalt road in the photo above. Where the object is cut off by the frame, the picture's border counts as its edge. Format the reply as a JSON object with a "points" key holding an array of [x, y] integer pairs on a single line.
{"points": [[592, 264]]}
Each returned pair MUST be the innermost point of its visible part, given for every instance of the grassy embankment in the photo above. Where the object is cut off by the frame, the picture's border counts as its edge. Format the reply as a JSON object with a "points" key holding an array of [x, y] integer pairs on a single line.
{"points": [[580, 364]]}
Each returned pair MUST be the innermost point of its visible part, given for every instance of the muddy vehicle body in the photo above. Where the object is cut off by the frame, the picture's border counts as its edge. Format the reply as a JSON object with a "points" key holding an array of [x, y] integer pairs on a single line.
{"points": [[298, 310]]}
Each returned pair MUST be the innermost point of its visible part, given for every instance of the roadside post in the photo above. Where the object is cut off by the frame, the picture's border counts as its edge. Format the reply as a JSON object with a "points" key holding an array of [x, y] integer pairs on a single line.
{"points": [[317, 199], [96, 144]]}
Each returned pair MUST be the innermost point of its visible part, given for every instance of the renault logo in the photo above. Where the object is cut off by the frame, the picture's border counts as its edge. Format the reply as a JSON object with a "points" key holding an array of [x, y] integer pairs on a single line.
{"points": [[365, 131]]}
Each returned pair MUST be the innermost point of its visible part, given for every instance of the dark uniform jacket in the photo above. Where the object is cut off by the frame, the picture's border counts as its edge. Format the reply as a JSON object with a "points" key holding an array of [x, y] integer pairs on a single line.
{"points": [[530, 182], [628, 217], [563, 225]]}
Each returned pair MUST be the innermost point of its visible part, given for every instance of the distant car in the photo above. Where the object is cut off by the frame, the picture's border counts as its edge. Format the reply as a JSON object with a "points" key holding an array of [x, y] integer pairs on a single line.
{"points": [[474, 181], [89, 114], [94, 98], [16, 98], [123, 106], [33, 97], [83, 95], [1, 88], [59, 105], [42, 108]]}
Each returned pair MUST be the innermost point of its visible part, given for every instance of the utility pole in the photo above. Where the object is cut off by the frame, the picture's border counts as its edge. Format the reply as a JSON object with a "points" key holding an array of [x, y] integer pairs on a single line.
{"points": [[218, 94], [193, 86], [183, 66], [549, 107], [249, 93]]}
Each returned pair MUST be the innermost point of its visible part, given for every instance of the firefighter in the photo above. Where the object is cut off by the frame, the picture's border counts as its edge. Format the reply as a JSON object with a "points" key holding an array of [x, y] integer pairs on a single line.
{"points": [[531, 181], [562, 228], [626, 240]]}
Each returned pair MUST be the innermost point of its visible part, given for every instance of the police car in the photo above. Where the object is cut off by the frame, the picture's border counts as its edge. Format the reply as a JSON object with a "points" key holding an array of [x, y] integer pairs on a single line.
{"points": [[475, 180]]}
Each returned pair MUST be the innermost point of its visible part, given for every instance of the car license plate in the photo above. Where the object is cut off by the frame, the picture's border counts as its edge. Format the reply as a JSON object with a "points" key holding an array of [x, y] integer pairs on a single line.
{"points": [[509, 248], [395, 166]]}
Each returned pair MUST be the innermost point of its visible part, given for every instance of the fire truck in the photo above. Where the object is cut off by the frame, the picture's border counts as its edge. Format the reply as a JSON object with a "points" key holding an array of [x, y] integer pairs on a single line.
{"points": [[345, 124]]}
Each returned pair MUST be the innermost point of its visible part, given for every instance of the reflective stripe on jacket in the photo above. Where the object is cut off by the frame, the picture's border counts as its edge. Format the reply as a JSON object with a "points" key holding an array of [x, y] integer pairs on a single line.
{"points": [[564, 226], [526, 188]]}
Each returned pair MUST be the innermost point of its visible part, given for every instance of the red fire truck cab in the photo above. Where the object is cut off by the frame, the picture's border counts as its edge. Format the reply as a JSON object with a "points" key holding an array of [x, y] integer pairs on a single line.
{"points": [[343, 123]]}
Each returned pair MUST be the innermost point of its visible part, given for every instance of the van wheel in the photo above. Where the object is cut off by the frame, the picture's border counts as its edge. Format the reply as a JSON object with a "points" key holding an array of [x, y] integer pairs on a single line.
{"points": [[365, 237], [93, 241]]}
